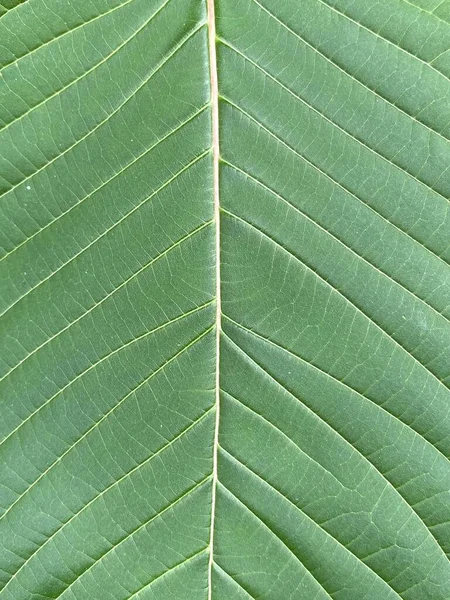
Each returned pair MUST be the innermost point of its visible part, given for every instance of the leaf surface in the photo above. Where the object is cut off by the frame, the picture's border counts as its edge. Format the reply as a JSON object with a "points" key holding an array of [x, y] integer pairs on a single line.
{"points": [[226, 300]]}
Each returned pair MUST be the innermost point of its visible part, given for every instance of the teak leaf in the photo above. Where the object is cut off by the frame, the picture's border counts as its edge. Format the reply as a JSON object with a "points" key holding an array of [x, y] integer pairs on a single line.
{"points": [[225, 252]]}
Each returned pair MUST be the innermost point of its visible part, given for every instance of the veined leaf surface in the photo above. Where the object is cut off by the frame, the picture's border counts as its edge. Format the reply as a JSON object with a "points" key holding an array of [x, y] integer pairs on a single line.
{"points": [[225, 361]]}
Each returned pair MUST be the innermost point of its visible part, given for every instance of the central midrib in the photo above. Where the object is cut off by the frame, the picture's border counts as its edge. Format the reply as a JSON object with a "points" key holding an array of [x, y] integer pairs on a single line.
{"points": [[215, 156]]}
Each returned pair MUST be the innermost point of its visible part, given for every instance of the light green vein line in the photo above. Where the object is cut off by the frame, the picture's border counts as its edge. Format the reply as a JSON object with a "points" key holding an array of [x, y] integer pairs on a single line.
{"points": [[158, 67], [447, 50], [145, 524], [107, 414], [95, 364], [233, 580], [12, 8], [432, 13], [117, 482], [329, 376], [169, 571], [339, 293], [241, 503], [104, 60], [272, 487], [366, 460], [116, 224], [109, 294], [107, 181], [347, 73], [335, 10], [330, 178], [263, 418], [338, 127], [61, 35], [340, 242]]}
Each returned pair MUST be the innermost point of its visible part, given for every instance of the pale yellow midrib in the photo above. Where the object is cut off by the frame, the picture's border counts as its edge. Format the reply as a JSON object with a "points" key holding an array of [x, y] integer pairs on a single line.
{"points": [[215, 155]]}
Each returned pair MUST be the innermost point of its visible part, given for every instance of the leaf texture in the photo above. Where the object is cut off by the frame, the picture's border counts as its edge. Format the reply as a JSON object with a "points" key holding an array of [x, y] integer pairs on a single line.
{"points": [[225, 307]]}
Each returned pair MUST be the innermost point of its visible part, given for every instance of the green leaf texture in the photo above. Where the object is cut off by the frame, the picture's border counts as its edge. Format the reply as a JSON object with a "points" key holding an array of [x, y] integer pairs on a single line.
{"points": [[225, 355]]}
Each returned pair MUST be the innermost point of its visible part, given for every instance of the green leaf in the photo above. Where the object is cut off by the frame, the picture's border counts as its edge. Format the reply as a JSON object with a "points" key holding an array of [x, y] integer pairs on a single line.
{"points": [[225, 249]]}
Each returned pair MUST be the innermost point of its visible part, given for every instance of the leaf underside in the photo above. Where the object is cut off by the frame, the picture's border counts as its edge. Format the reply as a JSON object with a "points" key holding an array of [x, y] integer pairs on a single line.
{"points": [[330, 478]]}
